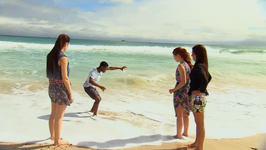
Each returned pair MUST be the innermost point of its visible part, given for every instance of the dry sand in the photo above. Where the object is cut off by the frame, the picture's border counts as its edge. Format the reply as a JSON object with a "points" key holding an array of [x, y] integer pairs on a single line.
{"points": [[257, 142]]}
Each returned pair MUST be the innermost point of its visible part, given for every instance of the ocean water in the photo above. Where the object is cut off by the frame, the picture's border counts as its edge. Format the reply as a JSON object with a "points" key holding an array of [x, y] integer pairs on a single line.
{"points": [[136, 108]]}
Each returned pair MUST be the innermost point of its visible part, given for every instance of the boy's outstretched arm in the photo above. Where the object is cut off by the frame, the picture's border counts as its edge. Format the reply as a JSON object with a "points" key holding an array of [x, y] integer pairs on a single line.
{"points": [[115, 68]]}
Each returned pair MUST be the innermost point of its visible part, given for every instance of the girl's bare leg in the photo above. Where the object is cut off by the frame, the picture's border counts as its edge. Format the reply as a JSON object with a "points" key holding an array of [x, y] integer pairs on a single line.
{"points": [[60, 112], [186, 124], [199, 119], [179, 121], [52, 120], [200, 125]]}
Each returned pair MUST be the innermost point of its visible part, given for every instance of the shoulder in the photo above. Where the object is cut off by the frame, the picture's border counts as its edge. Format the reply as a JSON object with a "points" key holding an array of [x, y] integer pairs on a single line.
{"points": [[62, 54], [186, 65], [198, 66], [181, 67], [92, 70], [63, 59]]}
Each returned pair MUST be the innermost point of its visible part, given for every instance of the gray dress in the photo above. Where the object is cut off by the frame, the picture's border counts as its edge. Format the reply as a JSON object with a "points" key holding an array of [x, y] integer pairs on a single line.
{"points": [[57, 90]]}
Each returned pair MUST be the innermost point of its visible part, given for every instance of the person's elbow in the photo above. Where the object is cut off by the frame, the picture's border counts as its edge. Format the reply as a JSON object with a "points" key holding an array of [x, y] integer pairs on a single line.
{"points": [[182, 83], [65, 79], [203, 87], [210, 77], [90, 81]]}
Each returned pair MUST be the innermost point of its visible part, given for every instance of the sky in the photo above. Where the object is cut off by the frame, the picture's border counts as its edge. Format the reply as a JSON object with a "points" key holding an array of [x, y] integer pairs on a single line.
{"points": [[142, 20]]}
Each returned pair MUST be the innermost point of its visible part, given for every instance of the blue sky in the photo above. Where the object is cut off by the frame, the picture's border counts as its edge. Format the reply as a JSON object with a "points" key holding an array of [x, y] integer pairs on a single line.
{"points": [[160, 20], [87, 5]]}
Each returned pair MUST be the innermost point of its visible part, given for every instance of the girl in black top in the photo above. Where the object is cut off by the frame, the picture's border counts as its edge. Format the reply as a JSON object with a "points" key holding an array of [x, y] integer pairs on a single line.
{"points": [[200, 77]]}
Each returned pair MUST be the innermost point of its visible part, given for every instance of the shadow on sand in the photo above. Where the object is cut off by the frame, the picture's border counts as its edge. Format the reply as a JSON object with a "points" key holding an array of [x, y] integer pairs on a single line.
{"points": [[117, 143], [141, 140], [71, 115], [25, 145]]}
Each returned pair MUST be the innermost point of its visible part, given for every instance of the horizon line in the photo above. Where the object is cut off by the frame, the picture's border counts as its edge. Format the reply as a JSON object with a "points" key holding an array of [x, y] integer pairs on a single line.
{"points": [[147, 40]]}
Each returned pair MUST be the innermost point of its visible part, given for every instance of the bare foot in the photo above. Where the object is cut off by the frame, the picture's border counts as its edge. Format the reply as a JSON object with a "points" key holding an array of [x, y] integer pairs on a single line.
{"points": [[186, 135], [61, 142], [193, 145]]}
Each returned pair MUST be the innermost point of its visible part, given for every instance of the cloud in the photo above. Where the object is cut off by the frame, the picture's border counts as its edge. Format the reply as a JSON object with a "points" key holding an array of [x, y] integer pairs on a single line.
{"points": [[172, 20]]}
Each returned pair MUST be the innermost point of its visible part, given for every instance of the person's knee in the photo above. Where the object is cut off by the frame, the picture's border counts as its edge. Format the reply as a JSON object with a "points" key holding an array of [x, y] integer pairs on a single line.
{"points": [[59, 116], [179, 115], [98, 99], [179, 112], [52, 116], [60, 112], [200, 123]]}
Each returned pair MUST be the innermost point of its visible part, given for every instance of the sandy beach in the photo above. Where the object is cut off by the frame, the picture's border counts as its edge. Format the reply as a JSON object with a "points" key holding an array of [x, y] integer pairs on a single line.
{"points": [[257, 142]]}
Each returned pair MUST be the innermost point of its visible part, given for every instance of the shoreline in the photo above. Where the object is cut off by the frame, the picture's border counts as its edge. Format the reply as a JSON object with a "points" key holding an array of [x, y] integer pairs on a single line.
{"points": [[248, 143]]}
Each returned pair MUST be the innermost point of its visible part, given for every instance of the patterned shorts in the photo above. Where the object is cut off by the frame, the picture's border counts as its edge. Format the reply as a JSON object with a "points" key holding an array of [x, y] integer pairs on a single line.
{"points": [[198, 103], [58, 92]]}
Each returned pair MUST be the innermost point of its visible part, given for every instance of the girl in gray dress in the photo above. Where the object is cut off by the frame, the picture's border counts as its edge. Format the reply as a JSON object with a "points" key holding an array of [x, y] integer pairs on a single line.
{"points": [[57, 70]]}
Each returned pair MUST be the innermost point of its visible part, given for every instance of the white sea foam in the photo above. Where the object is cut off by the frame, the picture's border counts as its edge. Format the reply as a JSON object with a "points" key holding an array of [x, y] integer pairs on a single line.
{"points": [[19, 46], [129, 119]]}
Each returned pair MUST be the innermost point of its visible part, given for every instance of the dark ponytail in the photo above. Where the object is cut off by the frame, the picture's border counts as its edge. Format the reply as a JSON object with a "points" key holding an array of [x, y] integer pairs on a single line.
{"points": [[53, 56]]}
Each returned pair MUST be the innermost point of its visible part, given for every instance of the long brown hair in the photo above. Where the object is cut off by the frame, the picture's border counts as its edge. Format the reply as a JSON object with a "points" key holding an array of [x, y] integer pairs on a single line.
{"points": [[201, 56], [53, 56], [184, 54]]}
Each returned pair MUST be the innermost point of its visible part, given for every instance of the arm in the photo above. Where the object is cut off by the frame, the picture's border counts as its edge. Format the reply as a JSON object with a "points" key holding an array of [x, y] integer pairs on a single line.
{"points": [[183, 77], [91, 81], [203, 79], [94, 83], [210, 78], [115, 68], [63, 65]]}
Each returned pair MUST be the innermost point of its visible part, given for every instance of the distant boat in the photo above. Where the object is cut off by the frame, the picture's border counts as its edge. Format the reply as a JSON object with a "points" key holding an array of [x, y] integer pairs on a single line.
{"points": [[123, 40]]}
